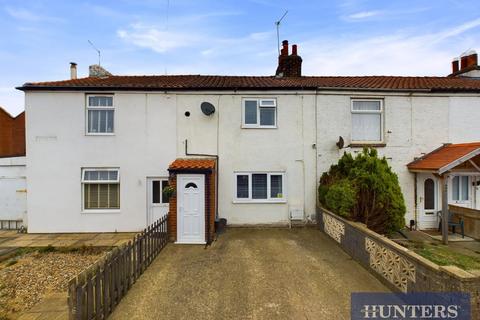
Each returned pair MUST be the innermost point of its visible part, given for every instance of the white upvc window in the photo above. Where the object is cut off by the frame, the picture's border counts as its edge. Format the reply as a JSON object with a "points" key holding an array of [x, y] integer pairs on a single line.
{"points": [[367, 120], [460, 188], [101, 189], [100, 115], [260, 187], [259, 113]]}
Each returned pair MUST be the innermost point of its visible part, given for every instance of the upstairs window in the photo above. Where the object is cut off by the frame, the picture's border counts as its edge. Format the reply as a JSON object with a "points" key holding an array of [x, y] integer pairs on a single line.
{"points": [[259, 187], [101, 189], [367, 121], [259, 113], [100, 115]]}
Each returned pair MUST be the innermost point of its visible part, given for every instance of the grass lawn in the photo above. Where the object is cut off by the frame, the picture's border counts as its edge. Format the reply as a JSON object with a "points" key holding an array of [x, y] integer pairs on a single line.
{"points": [[444, 256]]}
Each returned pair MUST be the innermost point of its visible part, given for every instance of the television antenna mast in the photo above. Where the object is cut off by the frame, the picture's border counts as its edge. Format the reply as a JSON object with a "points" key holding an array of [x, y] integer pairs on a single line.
{"points": [[96, 49], [277, 23]]}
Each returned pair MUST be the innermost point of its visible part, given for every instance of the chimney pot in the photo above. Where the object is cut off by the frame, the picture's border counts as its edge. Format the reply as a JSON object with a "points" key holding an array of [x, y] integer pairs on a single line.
{"points": [[472, 59], [455, 65], [294, 50], [284, 51], [463, 61], [73, 70]]}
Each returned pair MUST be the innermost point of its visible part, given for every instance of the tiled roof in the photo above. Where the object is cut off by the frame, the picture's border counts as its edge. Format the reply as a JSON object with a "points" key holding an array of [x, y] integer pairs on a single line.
{"points": [[192, 164], [443, 156], [205, 82]]}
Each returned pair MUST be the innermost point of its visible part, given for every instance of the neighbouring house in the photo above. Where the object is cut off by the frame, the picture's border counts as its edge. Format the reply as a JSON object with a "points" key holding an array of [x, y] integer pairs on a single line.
{"points": [[13, 201], [250, 149]]}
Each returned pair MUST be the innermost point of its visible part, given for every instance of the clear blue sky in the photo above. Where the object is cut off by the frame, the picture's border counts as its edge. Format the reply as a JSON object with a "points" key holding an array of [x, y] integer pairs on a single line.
{"points": [[39, 38]]}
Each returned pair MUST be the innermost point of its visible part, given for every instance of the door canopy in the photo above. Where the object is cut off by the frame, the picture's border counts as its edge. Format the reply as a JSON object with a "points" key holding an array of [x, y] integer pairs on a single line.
{"points": [[460, 156]]}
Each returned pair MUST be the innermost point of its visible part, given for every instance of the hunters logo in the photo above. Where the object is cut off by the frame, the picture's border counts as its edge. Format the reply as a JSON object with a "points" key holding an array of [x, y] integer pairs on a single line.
{"points": [[424, 305]]}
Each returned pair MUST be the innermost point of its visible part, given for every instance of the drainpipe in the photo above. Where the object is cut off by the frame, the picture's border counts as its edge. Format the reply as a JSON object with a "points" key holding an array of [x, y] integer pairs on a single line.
{"points": [[209, 241], [415, 202]]}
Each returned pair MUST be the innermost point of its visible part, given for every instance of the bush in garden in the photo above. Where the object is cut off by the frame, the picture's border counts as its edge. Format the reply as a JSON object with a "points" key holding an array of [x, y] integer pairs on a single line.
{"points": [[364, 189]]}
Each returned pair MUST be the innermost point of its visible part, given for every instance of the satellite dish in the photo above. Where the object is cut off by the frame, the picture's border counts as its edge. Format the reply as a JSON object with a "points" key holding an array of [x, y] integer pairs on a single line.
{"points": [[340, 143], [207, 108]]}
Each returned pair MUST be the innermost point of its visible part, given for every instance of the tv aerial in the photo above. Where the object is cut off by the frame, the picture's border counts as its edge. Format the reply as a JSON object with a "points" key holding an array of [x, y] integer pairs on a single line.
{"points": [[96, 49], [277, 23]]}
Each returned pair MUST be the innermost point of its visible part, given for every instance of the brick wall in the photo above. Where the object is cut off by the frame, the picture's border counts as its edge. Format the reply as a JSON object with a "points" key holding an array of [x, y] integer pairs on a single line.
{"points": [[12, 134]]}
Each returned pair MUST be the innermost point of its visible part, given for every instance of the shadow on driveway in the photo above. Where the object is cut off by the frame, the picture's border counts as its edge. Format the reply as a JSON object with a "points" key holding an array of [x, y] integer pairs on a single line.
{"points": [[250, 274]]}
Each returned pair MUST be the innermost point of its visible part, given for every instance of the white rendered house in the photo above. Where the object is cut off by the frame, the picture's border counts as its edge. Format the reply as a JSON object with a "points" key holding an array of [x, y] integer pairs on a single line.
{"points": [[99, 148]]}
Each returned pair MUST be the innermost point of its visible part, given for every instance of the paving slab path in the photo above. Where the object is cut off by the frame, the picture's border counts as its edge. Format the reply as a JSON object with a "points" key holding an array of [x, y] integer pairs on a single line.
{"points": [[250, 274]]}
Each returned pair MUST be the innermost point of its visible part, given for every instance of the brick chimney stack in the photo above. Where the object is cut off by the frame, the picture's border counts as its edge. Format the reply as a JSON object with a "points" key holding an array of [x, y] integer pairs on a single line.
{"points": [[289, 65], [466, 62]]}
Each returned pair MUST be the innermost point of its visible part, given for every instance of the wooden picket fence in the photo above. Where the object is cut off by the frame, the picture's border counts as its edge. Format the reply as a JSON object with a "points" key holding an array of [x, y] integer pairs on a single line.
{"points": [[95, 292]]}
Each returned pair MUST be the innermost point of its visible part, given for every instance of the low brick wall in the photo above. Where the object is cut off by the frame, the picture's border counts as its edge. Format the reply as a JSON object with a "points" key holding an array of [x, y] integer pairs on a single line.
{"points": [[397, 267]]}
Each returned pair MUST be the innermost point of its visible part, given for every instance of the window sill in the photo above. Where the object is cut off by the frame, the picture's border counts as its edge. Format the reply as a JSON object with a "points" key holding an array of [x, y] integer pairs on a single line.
{"points": [[160, 205], [94, 211], [258, 201], [258, 127], [367, 144], [99, 134]]}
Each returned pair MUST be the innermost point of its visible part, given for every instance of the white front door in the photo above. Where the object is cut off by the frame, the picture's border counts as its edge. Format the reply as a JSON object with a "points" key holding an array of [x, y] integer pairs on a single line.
{"points": [[190, 208], [427, 201], [157, 204]]}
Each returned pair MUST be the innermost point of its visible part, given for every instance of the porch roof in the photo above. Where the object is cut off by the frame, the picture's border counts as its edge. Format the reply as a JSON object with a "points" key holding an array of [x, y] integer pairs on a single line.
{"points": [[192, 164], [449, 156]]}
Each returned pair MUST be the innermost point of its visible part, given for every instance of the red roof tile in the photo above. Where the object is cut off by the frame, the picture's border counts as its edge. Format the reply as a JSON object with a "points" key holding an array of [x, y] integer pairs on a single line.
{"points": [[192, 164], [205, 82], [443, 156]]}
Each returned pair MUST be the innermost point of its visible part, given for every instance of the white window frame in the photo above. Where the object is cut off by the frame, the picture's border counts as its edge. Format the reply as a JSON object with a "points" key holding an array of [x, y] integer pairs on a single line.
{"points": [[161, 204], [382, 117], [260, 104], [268, 199], [84, 181], [99, 108]]}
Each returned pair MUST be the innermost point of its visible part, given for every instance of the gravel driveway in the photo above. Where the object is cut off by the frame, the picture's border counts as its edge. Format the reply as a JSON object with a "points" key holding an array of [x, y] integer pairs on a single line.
{"points": [[250, 274]]}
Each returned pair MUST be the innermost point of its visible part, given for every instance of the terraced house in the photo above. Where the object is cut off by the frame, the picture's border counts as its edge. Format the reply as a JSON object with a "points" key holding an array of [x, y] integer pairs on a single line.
{"points": [[250, 149]]}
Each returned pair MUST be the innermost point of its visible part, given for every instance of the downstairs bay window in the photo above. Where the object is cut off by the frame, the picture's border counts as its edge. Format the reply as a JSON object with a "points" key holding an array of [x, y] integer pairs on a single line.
{"points": [[101, 189], [259, 187]]}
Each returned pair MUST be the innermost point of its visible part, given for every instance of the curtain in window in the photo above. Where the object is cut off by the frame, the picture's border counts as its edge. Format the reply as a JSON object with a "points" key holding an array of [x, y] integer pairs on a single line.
{"points": [[100, 121], [276, 186], [366, 106], [366, 127], [259, 186], [429, 194], [102, 196], [250, 112], [242, 186]]}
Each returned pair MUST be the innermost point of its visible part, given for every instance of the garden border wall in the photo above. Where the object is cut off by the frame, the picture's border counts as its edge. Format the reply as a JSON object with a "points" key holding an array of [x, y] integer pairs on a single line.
{"points": [[399, 268]]}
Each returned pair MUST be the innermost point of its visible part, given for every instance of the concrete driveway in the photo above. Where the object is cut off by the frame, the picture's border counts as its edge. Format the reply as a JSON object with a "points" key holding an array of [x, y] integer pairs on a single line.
{"points": [[250, 274]]}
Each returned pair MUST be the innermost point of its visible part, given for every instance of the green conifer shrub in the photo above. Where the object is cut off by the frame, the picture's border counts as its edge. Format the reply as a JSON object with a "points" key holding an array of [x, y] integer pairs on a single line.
{"points": [[364, 189]]}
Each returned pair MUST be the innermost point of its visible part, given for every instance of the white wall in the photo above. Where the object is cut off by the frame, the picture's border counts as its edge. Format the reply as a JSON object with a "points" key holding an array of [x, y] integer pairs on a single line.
{"points": [[288, 148], [13, 189], [57, 148], [151, 129]]}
